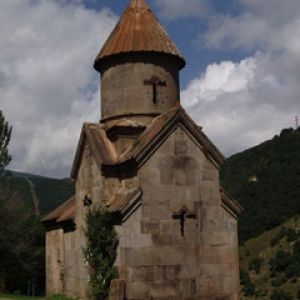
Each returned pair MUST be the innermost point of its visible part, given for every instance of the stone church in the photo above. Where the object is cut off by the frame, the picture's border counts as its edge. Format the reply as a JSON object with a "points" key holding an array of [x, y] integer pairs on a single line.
{"points": [[149, 163]]}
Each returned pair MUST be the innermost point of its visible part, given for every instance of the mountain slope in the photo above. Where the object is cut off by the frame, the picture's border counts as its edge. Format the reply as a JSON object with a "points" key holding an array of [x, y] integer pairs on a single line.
{"points": [[270, 263], [265, 180], [42, 194]]}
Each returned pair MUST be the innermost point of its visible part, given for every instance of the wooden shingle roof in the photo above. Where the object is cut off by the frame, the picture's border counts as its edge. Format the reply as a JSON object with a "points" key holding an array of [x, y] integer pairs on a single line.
{"points": [[65, 212], [138, 30]]}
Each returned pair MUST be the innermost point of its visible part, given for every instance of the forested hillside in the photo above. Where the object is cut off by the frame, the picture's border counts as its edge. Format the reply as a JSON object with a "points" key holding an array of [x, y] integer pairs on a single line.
{"points": [[24, 200], [42, 194], [270, 263], [265, 180]]}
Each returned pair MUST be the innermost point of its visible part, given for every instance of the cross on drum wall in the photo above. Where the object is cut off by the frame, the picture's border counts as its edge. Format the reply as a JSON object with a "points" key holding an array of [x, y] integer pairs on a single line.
{"points": [[155, 82]]}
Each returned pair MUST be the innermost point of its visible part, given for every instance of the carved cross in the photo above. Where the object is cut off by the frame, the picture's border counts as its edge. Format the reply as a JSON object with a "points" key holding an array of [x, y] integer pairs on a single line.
{"points": [[87, 200], [182, 215], [155, 82]]}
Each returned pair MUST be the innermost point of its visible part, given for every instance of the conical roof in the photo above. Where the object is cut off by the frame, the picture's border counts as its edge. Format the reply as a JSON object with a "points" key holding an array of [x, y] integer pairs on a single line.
{"points": [[138, 30]]}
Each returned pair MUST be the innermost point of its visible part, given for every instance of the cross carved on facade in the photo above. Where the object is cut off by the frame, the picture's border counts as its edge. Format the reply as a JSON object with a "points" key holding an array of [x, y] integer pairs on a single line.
{"points": [[87, 201], [182, 215], [155, 82]]}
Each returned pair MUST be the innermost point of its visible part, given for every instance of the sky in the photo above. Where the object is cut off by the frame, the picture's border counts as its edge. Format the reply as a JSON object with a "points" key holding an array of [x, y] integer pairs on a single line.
{"points": [[241, 82]]}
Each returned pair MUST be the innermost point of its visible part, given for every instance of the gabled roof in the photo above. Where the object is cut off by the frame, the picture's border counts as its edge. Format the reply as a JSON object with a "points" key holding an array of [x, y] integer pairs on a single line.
{"points": [[138, 30], [124, 201], [160, 128], [230, 204], [144, 146], [64, 212], [102, 148]]}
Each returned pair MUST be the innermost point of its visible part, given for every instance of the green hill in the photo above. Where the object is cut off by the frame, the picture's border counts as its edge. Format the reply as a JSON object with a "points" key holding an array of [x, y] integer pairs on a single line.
{"points": [[42, 194], [270, 263], [265, 180]]}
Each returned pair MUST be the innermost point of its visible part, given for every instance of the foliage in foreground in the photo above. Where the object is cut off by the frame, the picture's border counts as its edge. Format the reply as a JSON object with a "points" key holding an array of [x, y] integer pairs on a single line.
{"points": [[55, 297], [100, 252], [60, 297], [5, 133], [21, 245], [21, 234]]}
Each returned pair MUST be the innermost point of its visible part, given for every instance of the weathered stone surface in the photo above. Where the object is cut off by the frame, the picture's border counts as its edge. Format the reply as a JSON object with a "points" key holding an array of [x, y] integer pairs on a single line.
{"points": [[117, 289], [124, 97], [177, 235]]}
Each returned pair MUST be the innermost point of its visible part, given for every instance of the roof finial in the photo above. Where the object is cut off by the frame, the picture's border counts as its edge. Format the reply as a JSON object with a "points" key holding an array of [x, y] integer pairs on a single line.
{"points": [[139, 4]]}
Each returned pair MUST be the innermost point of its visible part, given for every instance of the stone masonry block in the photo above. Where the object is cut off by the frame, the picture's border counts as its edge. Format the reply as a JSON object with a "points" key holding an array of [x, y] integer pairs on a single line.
{"points": [[166, 227], [162, 239], [137, 290], [226, 254], [173, 255], [150, 227], [172, 272], [208, 175], [147, 273], [163, 289]]}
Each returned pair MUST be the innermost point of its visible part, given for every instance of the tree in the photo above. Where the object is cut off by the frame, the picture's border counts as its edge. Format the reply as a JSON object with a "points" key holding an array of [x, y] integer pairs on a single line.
{"points": [[256, 264], [281, 295], [5, 133], [21, 233], [21, 245]]}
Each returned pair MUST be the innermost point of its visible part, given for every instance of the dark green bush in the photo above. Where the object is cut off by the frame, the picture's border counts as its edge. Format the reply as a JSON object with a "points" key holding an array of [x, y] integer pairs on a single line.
{"points": [[281, 295], [280, 262], [276, 282], [256, 264], [293, 269], [291, 235], [281, 234], [260, 293], [248, 286], [100, 252], [296, 248], [249, 289], [286, 263]]}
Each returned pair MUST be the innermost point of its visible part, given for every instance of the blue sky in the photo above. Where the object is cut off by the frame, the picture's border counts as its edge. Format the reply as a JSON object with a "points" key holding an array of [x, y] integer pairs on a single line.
{"points": [[241, 82]]}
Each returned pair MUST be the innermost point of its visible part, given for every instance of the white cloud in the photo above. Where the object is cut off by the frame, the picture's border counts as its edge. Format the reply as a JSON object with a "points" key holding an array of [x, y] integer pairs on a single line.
{"points": [[262, 25], [219, 79], [48, 87], [242, 104]]}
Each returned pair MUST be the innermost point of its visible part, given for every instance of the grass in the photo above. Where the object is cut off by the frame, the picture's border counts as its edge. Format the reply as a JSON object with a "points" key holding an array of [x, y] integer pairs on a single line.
{"points": [[18, 297]]}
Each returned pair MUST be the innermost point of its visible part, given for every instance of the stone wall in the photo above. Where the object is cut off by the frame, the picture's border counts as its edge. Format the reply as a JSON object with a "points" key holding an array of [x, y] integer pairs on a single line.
{"points": [[70, 263], [158, 258], [88, 183], [54, 262], [123, 91]]}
